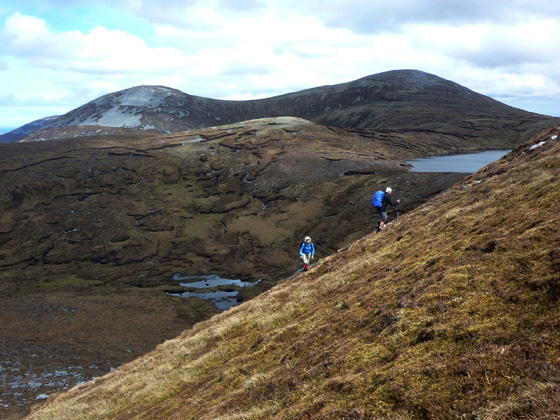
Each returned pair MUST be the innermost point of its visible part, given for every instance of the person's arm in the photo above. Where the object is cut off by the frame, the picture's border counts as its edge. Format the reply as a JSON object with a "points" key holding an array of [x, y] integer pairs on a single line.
{"points": [[391, 202], [312, 250], [301, 249]]}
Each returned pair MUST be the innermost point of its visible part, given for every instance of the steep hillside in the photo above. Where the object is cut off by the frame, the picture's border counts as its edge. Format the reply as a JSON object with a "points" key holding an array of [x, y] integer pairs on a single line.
{"points": [[93, 230], [405, 100], [415, 101], [253, 186], [450, 313], [24, 130]]}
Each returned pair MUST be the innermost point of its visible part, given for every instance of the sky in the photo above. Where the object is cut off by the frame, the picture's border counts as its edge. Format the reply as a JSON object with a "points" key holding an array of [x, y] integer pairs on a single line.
{"points": [[56, 55]]}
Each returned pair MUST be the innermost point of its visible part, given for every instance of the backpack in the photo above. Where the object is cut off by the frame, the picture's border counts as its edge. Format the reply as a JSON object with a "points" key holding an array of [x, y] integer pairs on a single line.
{"points": [[378, 199]]}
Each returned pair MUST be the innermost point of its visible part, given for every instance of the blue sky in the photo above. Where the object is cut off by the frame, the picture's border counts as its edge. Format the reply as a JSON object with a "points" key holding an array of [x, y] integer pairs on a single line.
{"points": [[56, 55]]}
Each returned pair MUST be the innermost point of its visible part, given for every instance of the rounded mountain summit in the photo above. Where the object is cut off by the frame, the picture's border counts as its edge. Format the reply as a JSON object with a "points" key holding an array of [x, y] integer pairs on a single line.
{"points": [[394, 100]]}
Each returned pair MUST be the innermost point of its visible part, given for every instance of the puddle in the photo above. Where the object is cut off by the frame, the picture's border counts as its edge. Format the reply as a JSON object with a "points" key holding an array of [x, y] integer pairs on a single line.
{"points": [[222, 299]]}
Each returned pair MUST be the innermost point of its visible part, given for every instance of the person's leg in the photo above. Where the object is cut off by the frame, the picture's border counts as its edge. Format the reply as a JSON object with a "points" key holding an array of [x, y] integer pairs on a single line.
{"points": [[383, 216], [306, 258]]}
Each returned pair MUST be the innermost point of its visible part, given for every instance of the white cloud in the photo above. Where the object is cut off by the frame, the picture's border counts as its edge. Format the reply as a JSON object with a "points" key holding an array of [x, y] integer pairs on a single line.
{"points": [[266, 54], [76, 66], [99, 51], [514, 45], [379, 16], [260, 48], [127, 53], [25, 34]]}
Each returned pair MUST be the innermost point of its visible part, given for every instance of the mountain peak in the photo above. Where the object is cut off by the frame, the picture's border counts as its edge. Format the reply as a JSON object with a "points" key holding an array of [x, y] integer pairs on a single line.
{"points": [[398, 99], [127, 109]]}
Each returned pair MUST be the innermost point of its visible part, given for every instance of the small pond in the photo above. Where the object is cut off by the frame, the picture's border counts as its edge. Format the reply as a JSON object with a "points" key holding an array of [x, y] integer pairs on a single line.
{"points": [[466, 162], [223, 298]]}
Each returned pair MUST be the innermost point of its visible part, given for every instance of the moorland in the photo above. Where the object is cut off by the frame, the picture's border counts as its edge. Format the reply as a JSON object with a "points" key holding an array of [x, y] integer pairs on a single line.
{"points": [[97, 220]]}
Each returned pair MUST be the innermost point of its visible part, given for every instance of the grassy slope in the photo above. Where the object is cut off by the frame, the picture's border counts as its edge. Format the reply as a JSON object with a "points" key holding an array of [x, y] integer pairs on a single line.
{"points": [[98, 226], [450, 313]]}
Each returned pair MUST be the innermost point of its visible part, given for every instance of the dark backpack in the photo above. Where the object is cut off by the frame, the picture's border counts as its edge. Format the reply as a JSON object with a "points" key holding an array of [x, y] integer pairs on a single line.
{"points": [[378, 199]]}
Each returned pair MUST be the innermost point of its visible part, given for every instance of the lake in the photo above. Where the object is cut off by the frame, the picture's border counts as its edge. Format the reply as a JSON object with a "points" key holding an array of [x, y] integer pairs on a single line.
{"points": [[222, 299], [466, 162]]}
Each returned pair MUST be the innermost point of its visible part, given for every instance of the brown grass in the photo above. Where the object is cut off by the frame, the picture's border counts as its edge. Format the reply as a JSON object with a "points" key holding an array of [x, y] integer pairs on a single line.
{"points": [[451, 313], [102, 222]]}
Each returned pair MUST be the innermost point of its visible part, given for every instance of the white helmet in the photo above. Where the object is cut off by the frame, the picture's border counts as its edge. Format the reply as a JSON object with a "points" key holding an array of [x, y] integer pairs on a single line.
{"points": [[388, 190], [306, 238]]}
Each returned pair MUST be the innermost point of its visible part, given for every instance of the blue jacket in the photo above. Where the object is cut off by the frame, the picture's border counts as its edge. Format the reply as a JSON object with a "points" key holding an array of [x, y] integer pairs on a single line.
{"points": [[307, 248]]}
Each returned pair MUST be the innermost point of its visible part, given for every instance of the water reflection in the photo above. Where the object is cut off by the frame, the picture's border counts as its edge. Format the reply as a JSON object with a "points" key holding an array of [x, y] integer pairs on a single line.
{"points": [[222, 299], [467, 163], [210, 281]]}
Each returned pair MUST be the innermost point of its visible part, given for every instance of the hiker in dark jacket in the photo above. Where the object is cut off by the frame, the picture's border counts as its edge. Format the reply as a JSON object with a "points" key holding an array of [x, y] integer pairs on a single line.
{"points": [[382, 209], [307, 252]]}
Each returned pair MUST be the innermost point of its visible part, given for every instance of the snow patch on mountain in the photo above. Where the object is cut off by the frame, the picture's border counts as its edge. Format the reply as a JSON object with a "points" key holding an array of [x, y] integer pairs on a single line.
{"points": [[117, 117], [126, 108], [141, 96]]}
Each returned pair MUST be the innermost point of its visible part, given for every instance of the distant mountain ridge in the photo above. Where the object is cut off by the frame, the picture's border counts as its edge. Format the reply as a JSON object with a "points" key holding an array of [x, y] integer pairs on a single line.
{"points": [[26, 129], [394, 100]]}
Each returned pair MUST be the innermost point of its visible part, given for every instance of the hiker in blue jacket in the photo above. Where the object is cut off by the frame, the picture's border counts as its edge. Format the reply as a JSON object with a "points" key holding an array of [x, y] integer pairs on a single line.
{"points": [[380, 201], [307, 252]]}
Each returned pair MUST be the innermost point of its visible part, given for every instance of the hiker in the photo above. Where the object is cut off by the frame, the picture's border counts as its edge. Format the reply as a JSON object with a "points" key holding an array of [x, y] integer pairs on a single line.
{"points": [[307, 252], [380, 201]]}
